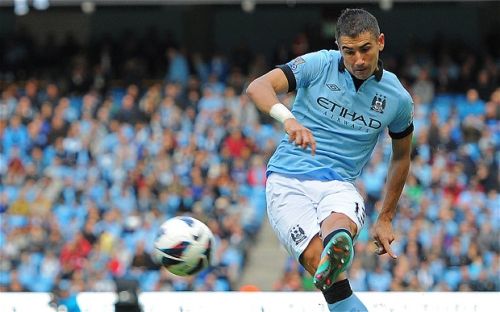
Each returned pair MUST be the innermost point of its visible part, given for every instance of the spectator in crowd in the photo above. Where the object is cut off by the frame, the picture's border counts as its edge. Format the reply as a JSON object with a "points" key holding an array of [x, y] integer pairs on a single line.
{"points": [[423, 87]]}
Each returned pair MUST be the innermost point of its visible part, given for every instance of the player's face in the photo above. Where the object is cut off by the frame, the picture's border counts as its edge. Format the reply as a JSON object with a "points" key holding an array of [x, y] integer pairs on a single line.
{"points": [[361, 53]]}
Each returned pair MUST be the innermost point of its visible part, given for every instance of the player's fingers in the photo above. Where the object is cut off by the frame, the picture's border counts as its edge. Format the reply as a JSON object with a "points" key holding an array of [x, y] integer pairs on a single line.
{"points": [[388, 249], [298, 138], [313, 145], [306, 140], [378, 248]]}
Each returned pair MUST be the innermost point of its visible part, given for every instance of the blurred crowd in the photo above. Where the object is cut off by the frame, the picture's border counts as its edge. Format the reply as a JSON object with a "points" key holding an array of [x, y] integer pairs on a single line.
{"points": [[89, 170], [94, 158]]}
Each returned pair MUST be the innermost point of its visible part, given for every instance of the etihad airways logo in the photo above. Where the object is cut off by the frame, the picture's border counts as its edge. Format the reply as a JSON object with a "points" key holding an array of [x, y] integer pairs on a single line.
{"points": [[348, 117]]}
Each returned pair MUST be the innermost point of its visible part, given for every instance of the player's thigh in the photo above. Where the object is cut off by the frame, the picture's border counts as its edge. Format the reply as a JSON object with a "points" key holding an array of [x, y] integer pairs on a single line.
{"points": [[342, 197], [291, 212]]}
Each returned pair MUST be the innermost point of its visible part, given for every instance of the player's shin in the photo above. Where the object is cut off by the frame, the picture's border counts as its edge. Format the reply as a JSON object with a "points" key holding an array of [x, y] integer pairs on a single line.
{"points": [[341, 298]]}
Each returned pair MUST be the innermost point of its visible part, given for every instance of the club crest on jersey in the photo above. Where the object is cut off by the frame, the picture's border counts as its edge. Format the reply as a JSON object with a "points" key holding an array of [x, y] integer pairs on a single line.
{"points": [[296, 62], [378, 103]]}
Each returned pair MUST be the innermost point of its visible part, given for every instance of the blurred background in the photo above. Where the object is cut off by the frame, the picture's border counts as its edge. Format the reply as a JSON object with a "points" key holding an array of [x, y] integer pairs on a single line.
{"points": [[116, 115]]}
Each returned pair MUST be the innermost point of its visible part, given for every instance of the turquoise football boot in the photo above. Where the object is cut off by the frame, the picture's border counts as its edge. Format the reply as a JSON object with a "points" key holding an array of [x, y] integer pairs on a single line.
{"points": [[336, 258]]}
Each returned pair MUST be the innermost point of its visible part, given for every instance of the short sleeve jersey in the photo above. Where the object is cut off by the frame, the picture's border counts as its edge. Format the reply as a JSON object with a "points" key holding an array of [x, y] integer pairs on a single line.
{"points": [[345, 122]]}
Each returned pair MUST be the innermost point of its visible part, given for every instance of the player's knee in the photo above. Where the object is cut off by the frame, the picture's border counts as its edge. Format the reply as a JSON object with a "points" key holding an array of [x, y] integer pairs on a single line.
{"points": [[338, 221]]}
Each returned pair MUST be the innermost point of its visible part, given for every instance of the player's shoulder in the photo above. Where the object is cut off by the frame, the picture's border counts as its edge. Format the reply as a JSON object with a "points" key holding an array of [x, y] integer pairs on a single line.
{"points": [[333, 55], [391, 80], [326, 55]]}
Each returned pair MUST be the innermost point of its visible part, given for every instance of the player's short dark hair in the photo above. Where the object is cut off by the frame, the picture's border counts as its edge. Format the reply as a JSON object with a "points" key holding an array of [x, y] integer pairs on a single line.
{"points": [[353, 22]]}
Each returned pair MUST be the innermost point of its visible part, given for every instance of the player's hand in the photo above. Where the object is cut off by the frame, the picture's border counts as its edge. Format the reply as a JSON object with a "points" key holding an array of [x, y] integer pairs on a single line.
{"points": [[300, 135], [384, 236]]}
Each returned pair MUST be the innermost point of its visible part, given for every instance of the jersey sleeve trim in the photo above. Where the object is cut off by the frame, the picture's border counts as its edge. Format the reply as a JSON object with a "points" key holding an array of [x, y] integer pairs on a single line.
{"points": [[400, 135], [292, 83]]}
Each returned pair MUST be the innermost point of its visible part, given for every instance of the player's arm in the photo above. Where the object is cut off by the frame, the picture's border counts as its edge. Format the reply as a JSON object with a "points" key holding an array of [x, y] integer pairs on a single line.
{"points": [[396, 178], [263, 92]]}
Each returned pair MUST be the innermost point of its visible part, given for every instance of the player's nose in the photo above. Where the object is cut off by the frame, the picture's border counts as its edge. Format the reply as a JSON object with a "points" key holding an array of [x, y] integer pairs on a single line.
{"points": [[360, 61]]}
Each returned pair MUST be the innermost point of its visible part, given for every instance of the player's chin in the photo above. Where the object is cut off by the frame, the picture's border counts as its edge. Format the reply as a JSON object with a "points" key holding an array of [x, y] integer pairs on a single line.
{"points": [[361, 74]]}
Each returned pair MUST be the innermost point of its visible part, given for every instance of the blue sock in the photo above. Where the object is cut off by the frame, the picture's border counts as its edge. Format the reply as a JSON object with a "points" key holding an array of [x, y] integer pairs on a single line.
{"points": [[350, 304], [340, 298]]}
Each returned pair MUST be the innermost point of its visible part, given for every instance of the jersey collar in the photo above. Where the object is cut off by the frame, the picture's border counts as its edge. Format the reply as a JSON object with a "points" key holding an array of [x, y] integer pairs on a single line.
{"points": [[378, 72]]}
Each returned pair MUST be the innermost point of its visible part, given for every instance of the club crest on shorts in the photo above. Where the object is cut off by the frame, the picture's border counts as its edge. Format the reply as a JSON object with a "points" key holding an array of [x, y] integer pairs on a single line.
{"points": [[378, 103], [298, 235]]}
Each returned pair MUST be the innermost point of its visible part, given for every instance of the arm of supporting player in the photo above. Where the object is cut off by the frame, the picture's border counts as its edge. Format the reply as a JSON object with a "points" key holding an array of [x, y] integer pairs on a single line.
{"points": [[396, 178]]}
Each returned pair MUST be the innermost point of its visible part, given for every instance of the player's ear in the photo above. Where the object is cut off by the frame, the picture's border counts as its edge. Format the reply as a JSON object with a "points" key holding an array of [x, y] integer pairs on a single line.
{"points": [[381, 42]]}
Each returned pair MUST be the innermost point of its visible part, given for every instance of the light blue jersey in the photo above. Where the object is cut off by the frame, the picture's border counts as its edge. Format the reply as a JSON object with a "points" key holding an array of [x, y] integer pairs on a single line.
{"points": [[345, 123]]}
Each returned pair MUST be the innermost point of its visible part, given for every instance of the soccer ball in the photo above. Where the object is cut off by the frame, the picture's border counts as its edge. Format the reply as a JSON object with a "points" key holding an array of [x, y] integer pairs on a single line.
{"points": [[184, 246]]}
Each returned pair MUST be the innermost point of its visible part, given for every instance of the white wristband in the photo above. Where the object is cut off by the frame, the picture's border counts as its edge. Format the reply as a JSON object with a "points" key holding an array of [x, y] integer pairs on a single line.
{"points": [[280, 112]]}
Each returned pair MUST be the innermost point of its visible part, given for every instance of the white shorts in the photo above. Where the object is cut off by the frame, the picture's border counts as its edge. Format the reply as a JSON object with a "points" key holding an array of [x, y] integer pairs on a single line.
{"points": [[296, 208]]}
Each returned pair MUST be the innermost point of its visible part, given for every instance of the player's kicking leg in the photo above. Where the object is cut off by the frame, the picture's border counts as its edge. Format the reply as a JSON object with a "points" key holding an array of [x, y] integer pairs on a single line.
{"points": [[297, 230], [336, 257]]}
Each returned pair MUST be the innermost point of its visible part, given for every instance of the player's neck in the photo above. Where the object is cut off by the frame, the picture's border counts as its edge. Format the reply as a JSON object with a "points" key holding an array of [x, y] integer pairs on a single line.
{"points": [[357, 82]]}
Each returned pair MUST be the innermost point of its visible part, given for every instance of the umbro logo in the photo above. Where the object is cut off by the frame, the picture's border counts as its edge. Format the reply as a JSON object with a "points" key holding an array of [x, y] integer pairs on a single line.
{"points": [[333, 87]]}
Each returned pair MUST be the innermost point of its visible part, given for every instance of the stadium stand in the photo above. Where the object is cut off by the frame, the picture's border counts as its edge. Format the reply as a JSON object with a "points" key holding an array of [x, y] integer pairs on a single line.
{"points": [[99, 150]]}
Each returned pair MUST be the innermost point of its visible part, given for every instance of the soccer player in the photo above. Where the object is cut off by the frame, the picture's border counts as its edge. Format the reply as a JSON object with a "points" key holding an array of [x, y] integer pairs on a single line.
{"points": [[345, 100]]}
